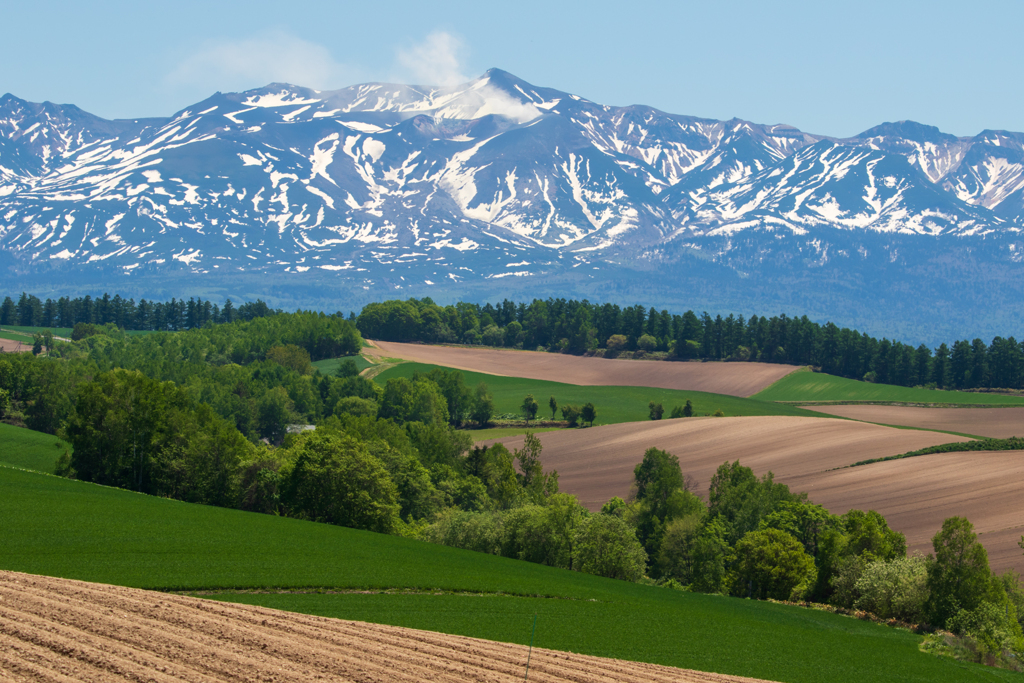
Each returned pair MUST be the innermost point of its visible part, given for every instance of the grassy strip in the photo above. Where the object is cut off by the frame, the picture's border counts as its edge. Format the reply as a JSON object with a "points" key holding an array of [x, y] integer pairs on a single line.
{"points": [[1014, 443], [72, 529], [504, 432], [29, 450], [29, 330], [330, 365], [614, 404], [16, 337], [819, 387]]}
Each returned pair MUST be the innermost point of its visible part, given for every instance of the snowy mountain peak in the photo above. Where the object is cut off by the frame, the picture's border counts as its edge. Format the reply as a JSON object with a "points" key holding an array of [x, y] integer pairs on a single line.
{"points": [[482, 180]]}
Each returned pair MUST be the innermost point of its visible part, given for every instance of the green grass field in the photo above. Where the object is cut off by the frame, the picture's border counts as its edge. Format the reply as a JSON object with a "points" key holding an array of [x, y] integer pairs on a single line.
{"points": [[72, 529], [29, 450], [329, 366], [503, 432], [614, 404], [57, 331], [818, 386], [16, 336]]}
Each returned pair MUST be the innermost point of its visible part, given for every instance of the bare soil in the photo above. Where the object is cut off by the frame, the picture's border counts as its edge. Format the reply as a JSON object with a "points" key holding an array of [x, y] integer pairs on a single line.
{"points": [[597, 463], [998, 423], [12, 346], [62, 630], [733, 379], [916, 494]]}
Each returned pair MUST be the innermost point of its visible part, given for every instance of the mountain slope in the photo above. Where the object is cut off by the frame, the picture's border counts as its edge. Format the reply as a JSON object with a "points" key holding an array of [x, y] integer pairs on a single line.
{"points": [[377, 187]]}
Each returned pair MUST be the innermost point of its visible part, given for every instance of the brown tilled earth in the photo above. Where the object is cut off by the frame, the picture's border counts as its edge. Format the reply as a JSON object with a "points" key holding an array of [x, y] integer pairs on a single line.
{"points": [[62, 630], [597, 463], [916, 494], [998, 423], [11, 346], [734, 379]]}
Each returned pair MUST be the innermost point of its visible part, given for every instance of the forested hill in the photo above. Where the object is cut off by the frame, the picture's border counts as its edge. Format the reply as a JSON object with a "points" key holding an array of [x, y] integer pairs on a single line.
{"points": [[608, 330]]}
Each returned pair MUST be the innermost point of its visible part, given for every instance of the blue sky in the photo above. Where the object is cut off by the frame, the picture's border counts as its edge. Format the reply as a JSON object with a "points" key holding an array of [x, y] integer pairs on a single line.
{"points": [[828, 68]]}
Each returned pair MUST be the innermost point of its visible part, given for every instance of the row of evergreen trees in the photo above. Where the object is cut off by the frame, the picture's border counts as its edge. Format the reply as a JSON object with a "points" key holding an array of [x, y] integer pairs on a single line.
{"points": [[581, 327], [173, 315]]}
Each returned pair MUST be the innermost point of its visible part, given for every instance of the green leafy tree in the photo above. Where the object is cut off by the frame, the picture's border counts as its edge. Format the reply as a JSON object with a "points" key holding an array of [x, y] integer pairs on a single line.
{"points": [[616, 344], [529, 408], [571, 414], [655, 410], [770, 564], [415, 400], [742, 500], [37, 344], [588, 413], [688, 409], [553, 404], [958, 574], [709, 556], [335, 480], [676, 553], [347, 368], [647, 343], [291, 356], [483, 406], [605, 545], [5, 403]]}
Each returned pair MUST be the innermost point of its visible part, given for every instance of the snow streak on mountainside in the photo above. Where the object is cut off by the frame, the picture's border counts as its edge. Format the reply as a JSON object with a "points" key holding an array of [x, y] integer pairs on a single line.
{"points": [[495, 178]]}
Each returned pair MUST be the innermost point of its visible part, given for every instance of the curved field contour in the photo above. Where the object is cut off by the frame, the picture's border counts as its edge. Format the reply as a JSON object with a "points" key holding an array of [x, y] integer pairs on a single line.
{"points": [[733, 379], [63, 630]]}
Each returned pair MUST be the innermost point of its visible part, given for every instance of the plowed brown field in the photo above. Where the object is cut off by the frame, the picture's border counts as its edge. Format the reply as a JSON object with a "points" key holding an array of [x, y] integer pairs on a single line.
{"points": [[998, 423], [597, 463], [11, 346], [733, 379], [917, 494], [62, 630]]}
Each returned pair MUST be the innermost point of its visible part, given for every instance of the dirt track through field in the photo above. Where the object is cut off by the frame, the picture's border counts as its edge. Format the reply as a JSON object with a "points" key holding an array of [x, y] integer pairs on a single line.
{"points": [[597, 463], [733, 379], [998, 423], [62, 630], [916, 494]]}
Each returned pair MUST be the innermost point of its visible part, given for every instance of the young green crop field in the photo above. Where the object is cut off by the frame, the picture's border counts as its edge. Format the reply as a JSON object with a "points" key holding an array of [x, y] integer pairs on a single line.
{"points": [[16, 336], [76, 530], [614, 404], [329, 366], [818, 386], [57, 331], [29, 450]]}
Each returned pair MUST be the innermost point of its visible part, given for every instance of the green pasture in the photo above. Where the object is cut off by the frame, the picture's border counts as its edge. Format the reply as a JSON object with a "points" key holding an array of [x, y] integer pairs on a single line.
{"points": [[614, 404], [15, 336], [57, 331], [29, 450], [818, 386], [329, 366], [58, 527], [505, 432]]}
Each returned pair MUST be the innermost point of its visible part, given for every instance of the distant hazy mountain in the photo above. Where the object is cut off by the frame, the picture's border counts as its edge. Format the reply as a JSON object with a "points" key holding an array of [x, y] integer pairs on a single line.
{"points": [[500, 188]]}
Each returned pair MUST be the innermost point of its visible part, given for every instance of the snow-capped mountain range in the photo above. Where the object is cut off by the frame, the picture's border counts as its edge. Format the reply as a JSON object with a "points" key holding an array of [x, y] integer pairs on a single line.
{"points": [[409, 187]]}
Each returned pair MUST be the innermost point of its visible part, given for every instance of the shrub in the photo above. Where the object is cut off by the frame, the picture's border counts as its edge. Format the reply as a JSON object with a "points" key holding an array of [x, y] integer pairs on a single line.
{"points": [[897, 589], [571, 414]]}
